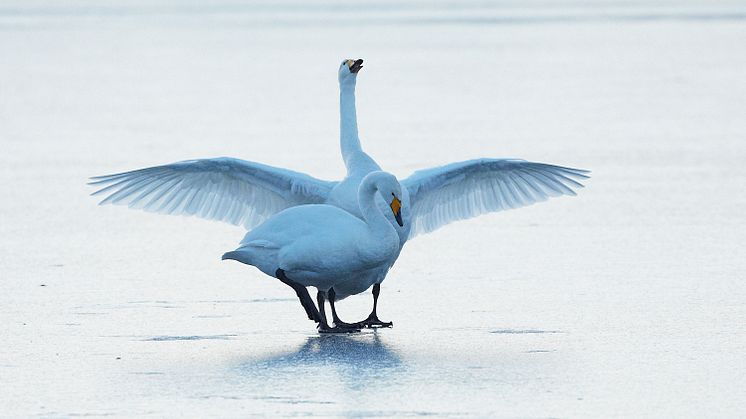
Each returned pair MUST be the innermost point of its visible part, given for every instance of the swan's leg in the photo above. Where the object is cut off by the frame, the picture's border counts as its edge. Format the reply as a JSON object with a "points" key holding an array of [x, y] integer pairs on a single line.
{"points": [[324, 326], [322, 309], [372, 321], [303, 296], [335, 318], [373, 318]]}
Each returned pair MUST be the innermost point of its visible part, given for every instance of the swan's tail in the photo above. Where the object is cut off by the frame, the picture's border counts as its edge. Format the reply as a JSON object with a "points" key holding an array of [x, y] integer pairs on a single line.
{"points": [[259, 253], [238, 256]]}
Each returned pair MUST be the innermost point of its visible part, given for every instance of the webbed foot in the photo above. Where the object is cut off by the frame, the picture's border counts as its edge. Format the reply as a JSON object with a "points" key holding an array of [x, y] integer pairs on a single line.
{"points": [[325, 328], [372, 322]]}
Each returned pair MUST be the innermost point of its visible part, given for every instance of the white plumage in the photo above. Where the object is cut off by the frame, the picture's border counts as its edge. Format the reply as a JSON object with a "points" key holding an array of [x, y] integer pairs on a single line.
{"points": [[321, 245], [223, 189], [247, 193], [467, 189]]}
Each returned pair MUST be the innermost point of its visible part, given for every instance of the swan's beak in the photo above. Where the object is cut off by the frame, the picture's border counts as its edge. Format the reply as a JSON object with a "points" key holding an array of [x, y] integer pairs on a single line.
{"points": [[396, 209], [354, 65]]}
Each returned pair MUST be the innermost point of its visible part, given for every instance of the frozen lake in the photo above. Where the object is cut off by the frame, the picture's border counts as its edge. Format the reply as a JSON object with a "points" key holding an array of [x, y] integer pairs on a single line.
{"points": [[628, 300]]}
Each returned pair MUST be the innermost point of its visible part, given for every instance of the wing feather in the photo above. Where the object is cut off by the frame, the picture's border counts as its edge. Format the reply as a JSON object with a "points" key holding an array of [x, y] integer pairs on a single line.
{"points": [[457, 191], [224, 189]]}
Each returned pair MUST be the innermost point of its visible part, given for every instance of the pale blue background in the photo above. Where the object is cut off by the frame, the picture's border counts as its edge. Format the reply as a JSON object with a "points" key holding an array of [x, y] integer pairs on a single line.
{"points": [[627, 300]]}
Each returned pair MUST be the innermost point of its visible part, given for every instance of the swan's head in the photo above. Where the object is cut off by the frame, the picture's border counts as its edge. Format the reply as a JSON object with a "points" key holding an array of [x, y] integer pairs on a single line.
{"points": [[390, 190], [348, 70]]}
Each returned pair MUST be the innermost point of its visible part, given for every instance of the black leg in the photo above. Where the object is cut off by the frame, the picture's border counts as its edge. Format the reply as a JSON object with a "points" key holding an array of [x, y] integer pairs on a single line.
{"points": [[323, 325], [376, 293], [335, 318], [322, 310], [303, 296], [371, 322]]}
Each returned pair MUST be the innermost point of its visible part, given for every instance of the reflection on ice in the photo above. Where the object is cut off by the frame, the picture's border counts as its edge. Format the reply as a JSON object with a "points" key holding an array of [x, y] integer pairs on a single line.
{"points": [[357, 359]]}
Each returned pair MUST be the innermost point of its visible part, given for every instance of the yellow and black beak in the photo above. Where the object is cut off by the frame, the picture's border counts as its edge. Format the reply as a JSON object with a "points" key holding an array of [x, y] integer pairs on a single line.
{"points": [[354, 65], [396, 209]]}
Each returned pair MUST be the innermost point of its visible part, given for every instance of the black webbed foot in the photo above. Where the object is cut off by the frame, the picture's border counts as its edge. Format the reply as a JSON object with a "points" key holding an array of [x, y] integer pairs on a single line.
{"points": [[323, 326], [372, 322], [337, 329]]}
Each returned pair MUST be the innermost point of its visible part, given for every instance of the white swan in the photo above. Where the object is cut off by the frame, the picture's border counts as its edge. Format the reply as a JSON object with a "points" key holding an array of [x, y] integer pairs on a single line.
{"points": [[322, 245], [247, 193]]}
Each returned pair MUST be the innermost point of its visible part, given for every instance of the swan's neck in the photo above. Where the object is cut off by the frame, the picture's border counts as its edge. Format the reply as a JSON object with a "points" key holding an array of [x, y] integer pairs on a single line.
{"points": [[374, 218], [349, 140]]}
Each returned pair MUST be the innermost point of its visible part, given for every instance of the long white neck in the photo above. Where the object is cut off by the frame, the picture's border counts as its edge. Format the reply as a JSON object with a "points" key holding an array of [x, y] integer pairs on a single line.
{"points": [[372, 215], [349, 140]]}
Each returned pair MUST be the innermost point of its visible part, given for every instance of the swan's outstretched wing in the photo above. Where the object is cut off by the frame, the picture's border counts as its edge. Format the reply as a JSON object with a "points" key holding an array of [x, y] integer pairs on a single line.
{"points": [[463, 190], [224, 189]]}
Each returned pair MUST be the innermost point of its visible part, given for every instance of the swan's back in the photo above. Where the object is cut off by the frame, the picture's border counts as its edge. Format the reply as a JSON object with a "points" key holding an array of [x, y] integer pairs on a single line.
{"points": [[293, 224]]}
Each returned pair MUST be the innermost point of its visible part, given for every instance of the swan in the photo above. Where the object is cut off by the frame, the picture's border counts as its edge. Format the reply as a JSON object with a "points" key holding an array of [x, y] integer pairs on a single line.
{"points": [[321, 245], [247, 193]]}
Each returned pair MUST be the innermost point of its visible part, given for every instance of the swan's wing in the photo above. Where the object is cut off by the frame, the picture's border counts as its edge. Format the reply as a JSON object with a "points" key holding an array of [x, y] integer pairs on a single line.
{"points": [[224, 189], [463, 190]]}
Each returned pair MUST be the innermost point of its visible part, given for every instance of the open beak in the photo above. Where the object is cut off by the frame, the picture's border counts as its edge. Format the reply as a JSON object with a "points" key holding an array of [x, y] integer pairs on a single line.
{"points": [[355, 65], [396, 209]]}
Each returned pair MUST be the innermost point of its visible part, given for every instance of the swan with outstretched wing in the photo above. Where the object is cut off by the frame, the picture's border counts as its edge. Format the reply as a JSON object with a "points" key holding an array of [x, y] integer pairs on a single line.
{"points": [[223, 189], [248, 193]]}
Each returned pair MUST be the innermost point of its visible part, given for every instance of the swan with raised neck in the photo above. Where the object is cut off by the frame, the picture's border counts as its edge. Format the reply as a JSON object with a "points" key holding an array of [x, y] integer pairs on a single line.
{"points": [[356, 160]]}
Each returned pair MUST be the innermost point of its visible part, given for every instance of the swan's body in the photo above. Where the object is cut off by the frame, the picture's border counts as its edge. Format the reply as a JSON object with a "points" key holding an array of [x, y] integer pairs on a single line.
{"points": [[247, 193], [322, 245], [306, 242]]}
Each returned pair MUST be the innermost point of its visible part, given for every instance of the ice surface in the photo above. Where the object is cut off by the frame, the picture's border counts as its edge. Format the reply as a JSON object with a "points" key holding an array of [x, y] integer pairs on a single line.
{"points": [[627, 300]]}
